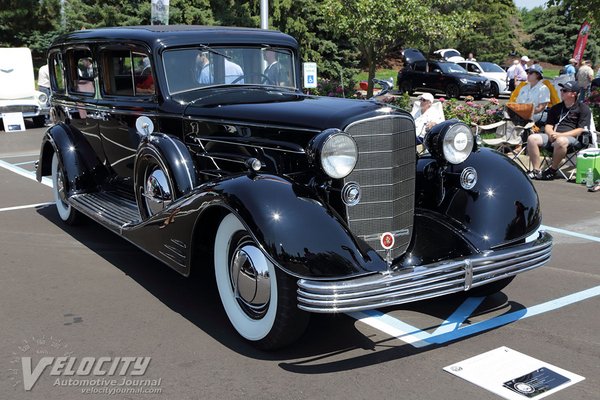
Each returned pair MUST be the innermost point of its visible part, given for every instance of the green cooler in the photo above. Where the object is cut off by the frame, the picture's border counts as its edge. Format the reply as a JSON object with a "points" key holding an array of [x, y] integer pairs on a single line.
{"points": [[586, 159]]}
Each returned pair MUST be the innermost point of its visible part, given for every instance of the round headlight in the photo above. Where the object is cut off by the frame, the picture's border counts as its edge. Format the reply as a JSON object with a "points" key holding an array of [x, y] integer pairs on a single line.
{"points": [[339, 155], [458, 143], [42, 98]]}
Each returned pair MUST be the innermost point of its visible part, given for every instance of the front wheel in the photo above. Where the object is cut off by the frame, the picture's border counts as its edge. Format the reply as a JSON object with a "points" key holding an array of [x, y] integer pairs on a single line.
{"points": [[494, 90], [259, 299], [65, 211], [406, 87], [452, 91]]}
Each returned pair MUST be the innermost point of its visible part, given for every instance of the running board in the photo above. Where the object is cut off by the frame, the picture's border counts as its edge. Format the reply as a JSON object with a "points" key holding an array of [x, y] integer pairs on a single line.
{"points": [[107, 208]]}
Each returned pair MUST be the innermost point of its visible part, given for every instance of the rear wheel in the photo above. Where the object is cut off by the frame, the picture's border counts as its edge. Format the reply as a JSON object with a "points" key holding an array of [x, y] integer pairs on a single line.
{"points": [[259, 299], [452, 91], [65, 211], [406, 87]]}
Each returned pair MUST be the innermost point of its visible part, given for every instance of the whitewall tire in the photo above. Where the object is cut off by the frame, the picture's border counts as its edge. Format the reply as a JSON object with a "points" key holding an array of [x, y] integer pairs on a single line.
{"points": [[258, 298]]}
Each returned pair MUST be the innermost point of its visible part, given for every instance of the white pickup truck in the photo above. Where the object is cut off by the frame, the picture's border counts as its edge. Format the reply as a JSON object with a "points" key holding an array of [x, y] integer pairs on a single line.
{"points": [[17, 86]]}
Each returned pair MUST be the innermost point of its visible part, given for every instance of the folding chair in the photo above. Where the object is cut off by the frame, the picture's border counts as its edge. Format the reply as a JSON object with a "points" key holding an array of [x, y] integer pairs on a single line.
{"points": [[511, 131]]}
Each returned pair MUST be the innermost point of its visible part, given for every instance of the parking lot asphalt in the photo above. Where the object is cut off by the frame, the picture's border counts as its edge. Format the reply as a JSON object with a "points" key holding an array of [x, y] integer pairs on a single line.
{"points": [[84, 292]]}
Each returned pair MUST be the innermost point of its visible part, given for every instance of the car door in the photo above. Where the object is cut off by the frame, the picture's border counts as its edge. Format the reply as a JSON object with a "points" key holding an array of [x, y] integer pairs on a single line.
{"points": [[435, 77], [79, 101], [127, 84], [419, 75]]}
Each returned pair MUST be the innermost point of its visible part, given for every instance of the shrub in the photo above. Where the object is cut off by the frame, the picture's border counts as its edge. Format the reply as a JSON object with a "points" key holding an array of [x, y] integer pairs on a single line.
{"points": [[473, 113]]}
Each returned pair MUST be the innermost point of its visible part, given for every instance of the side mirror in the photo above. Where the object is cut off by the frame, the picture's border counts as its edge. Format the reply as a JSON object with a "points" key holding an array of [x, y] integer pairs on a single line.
{"points": [[437, 71]]}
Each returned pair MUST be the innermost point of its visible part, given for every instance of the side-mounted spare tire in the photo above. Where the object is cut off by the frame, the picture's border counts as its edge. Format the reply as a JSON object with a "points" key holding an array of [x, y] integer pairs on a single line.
{"points": [[163, 172]]}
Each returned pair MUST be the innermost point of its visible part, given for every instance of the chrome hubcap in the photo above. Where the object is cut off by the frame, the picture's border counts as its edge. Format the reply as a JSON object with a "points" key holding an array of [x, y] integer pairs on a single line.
{"points": [[157, 191], [60, 185], [249, 274]]}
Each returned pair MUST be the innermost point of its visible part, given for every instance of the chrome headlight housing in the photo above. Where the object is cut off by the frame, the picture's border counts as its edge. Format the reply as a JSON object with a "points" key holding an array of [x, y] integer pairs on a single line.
{"points": [[334, 152], [451, 141], [42, 98]]}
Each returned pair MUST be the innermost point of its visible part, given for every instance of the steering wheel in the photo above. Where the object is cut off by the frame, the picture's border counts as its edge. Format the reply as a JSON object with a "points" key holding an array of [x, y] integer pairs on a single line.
{"points": [[265, 79]]}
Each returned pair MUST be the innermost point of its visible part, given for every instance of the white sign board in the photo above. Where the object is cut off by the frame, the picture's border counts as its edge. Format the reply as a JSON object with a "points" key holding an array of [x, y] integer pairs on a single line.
{"points": [[309, 70], [13, 122], [513, 375]]}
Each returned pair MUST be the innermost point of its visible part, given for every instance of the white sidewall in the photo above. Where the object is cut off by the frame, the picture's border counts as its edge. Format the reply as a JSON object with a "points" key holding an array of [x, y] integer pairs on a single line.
{"points": [[64, 210], [251, 329]]}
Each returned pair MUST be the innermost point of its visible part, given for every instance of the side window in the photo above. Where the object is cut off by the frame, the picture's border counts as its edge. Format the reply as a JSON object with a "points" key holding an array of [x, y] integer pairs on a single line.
{"points": [[56, 70], [127, 73], [81, 71], [420, 66]]}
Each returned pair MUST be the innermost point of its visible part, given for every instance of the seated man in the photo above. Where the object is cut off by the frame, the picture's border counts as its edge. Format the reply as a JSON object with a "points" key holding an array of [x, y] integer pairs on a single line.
{"points": [[535, 92], [566, 121], [426, 116]]}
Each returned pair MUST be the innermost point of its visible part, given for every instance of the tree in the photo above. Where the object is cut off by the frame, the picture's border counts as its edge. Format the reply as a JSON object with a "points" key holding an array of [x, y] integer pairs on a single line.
{"points": [[496, 32], [377, 26], [553, 32], [580, 9]]}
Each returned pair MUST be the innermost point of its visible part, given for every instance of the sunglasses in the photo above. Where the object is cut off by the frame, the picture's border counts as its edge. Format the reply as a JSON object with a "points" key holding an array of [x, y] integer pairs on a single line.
{"points": [[567, 91]]}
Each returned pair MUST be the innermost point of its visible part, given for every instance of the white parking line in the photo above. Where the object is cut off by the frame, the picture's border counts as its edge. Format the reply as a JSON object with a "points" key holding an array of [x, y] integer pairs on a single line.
{"points": [[571, 233], [25, 162], [40, 205], [20, 155], [23, 172]]}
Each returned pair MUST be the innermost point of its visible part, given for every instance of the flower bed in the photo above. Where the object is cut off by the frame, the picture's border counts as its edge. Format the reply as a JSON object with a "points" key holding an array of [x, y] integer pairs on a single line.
{"points": [[473, 113]]}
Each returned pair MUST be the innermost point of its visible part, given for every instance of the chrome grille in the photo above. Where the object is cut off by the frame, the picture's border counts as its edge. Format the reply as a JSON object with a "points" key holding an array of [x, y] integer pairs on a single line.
{"points": [[386, 174], [20, 108]]}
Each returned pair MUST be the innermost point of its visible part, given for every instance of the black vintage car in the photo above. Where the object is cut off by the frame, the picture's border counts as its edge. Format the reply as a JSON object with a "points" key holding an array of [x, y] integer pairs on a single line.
{"points": [[440, 76], [181, 140]]}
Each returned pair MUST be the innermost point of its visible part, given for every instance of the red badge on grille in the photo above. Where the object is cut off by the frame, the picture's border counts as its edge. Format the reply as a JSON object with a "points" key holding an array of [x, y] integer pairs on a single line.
{"points": [[387, 240]]}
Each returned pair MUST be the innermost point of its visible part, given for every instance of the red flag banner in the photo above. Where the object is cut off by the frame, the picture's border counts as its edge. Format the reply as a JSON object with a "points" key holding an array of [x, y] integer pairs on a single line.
{"points": [[584, 31]]}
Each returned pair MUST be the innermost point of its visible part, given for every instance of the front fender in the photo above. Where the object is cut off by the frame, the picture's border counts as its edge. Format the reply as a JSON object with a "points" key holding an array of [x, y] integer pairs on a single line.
{"points": [[301, 235], [82, 169], [502, 208]]}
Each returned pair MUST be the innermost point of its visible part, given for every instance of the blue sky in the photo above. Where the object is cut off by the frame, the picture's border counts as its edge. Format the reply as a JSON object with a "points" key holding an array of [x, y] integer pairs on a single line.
{"points": [[529, 4]]}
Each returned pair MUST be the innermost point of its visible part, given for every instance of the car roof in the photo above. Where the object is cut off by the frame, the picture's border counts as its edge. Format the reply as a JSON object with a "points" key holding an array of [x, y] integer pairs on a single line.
{"points": [[179, 35]]}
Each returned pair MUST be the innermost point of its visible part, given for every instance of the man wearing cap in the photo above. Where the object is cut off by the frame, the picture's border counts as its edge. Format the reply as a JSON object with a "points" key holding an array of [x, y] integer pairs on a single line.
{"points": [[535, 92], [566, 121], [520, 73], [426, 116]]}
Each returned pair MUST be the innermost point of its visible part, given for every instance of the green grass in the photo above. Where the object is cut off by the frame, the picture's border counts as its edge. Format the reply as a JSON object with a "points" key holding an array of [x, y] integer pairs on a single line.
{"points": [[379, 74]]}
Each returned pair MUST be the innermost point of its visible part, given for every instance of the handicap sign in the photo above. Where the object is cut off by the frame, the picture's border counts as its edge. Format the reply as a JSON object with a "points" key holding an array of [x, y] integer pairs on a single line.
{"points": [[309, 70]]}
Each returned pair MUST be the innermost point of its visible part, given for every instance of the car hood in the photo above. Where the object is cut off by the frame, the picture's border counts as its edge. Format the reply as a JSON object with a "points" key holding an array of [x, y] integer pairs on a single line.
{"points": [[282, 108]]}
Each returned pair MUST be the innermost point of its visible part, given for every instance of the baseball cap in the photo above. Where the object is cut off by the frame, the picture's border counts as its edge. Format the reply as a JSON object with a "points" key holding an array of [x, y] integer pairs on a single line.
{"points": [[525, 58], [570, 86], [536, 68], [426, 96]]}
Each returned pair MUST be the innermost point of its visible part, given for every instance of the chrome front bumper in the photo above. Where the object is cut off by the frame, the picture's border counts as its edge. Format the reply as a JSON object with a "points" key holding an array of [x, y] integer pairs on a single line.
{"points": [[424, 281]]}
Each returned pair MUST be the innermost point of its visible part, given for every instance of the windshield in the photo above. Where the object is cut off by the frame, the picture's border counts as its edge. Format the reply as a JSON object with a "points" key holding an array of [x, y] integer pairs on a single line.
{"points": [[449, 67], [490, 67], [194, 68]]}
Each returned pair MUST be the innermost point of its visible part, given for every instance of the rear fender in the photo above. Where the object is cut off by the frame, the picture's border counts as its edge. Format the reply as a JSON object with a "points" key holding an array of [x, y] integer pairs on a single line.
{"points": [[83, 171]]}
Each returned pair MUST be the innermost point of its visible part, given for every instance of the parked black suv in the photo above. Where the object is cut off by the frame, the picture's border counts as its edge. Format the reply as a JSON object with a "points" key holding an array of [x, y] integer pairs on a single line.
{"points": [[445, 77], [182, 141]]}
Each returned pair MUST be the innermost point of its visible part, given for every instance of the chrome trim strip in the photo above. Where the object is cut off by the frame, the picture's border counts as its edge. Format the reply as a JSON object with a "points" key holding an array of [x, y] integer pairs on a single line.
{"points": [[248, 145], [422, 282]]}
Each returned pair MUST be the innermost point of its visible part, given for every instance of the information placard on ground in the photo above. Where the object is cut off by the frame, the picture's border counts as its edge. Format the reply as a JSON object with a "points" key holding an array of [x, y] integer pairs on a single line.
{"points": [[513, 375], [13, 122]]}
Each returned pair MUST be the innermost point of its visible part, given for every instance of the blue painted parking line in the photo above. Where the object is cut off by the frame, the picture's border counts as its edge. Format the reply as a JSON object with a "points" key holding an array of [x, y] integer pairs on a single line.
{"points": [[570, 233], [419, 338]]}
